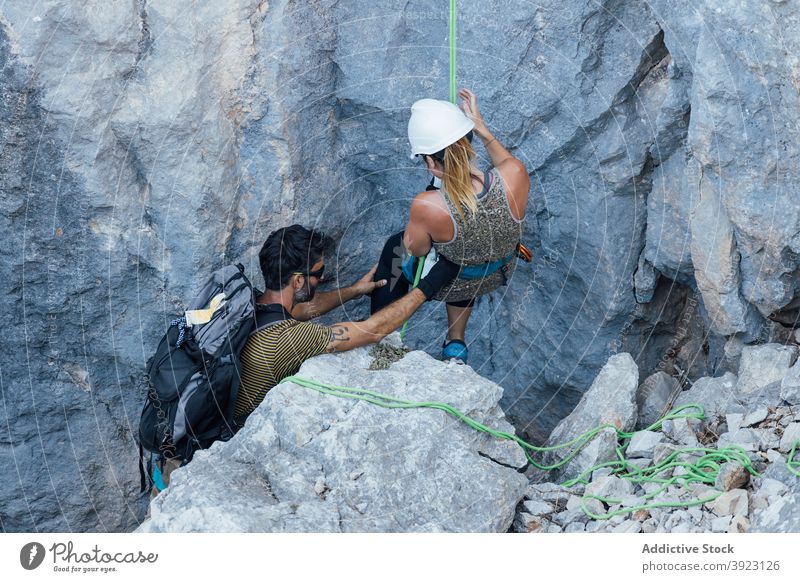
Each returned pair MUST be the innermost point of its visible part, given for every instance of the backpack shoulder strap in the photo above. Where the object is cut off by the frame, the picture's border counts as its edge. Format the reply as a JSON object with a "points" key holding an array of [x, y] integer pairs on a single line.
{"points": [[267, 315]]}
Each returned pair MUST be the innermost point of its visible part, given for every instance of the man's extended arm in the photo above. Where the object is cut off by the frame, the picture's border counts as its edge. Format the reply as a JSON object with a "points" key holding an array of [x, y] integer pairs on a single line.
{"points": [[324, 301], [354, 334]]}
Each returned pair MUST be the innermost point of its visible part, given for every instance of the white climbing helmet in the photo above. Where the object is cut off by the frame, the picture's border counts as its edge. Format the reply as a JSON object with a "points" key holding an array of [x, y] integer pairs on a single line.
{"points": [[435, 124]]}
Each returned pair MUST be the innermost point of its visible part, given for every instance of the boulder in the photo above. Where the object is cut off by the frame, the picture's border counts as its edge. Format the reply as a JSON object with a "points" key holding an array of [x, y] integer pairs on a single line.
{"points": [[643, 443], [790, 385], [312, 462], [716, 395], [764, 365], [653, 397], [611, 399]]}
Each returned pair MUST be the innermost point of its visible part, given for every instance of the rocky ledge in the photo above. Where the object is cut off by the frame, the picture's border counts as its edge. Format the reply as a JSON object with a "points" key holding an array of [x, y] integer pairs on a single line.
{"points": [[311, 462]]}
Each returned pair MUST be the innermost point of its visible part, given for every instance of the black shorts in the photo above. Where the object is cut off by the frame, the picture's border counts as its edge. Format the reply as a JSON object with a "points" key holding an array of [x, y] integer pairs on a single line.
{"points": [[397, 285]]}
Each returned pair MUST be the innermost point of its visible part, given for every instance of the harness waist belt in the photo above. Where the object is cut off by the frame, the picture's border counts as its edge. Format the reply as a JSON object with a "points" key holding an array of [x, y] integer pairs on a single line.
{"points": [[484, 270], [467, 271]]}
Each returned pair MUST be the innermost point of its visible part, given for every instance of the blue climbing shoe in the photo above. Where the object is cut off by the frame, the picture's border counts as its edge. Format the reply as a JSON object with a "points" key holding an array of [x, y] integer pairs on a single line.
{"points": [[455, 350]]}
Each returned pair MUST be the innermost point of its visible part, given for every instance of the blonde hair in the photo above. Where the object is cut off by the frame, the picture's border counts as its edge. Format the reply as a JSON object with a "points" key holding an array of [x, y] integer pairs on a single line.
{"points": [[457, 179]]}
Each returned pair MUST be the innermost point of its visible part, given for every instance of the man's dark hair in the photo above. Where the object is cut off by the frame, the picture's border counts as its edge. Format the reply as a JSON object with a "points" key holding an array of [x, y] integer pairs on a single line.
{"points": [[289, 250]]}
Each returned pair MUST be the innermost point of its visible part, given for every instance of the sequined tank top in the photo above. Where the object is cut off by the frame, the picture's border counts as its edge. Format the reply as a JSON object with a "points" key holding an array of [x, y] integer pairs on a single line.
{"points": [[491, 234]]}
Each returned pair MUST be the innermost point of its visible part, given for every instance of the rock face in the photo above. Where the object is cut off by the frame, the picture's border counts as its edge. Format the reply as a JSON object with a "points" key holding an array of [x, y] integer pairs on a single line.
{"points": [[311, 462], [146, 142]]}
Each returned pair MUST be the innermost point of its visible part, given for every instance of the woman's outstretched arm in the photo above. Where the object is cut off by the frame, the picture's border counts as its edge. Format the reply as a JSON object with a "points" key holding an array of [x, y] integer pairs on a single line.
{"points": [[513, 171]]}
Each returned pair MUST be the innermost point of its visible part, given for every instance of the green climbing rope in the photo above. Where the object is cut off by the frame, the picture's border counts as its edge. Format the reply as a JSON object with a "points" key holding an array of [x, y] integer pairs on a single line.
{"points": [[452, 39], [417, 276], [791, 463], [452, 51], [702, 470]]}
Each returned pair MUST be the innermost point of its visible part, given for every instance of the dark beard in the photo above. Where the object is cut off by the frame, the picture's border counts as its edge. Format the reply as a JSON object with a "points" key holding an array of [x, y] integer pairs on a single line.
{"points": [[305, 294]]}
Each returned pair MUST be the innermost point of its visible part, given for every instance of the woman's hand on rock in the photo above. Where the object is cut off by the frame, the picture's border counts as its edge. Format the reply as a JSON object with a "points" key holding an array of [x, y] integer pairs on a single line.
{"points": [[469, 105]]}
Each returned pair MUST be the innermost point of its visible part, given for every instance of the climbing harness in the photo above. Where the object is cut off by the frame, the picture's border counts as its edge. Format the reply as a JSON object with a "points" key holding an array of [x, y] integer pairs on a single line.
{"points": [[703, 470], [485, 269]]}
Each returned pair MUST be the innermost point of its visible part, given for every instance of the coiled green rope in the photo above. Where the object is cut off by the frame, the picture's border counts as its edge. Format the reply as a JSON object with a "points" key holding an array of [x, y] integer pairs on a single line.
{"points": [[703, 470]]}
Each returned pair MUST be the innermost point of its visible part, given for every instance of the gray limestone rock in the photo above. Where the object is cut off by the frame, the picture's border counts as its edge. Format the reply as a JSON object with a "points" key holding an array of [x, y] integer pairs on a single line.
{"points": [[446, 475], [643, 443], [662, 218], [750, 439], [663, 450], [682, 431], [609, 400], [628, 527], [653, 397], [780, 517], [716, 395], [610, 487], [734, 503], [734, 421], [576, 514], [790, 385], [537, 507], [764, 365], [551, 493], [791, 435], [754, 417]]}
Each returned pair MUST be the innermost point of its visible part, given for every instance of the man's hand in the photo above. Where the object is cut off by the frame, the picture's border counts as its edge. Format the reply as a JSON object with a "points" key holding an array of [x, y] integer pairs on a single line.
{"points": [[324, 301], [365, 285]]}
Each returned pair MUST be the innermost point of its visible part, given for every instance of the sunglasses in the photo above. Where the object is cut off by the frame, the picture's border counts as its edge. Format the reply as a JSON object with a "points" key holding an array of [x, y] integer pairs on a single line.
{"points": [[318, 273], [440, 154]]}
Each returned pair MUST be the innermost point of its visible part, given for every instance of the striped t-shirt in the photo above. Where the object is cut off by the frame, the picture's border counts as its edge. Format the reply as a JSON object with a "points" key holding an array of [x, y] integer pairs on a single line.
{"points": [[273, 353]]}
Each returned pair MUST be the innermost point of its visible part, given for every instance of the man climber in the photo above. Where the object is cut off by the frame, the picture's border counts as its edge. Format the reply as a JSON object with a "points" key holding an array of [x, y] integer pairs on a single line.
{"points": [[293, 263]]}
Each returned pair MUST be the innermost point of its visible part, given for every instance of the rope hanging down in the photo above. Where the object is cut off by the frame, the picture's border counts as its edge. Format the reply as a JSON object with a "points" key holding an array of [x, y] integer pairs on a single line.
{"points": [[452, 51], [452, 39], [703, 470]]}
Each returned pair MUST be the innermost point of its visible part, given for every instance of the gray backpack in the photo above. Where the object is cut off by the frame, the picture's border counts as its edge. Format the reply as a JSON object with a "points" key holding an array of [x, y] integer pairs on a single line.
{"points": [[193, 378]]}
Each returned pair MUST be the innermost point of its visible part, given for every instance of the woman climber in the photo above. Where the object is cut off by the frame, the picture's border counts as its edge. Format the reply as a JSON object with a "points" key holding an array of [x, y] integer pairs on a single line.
{"points": [[472, 218]]}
